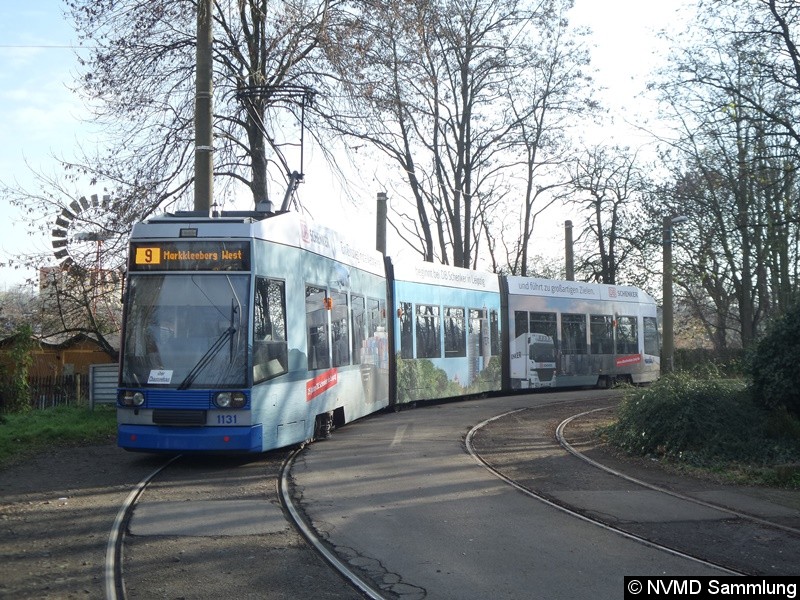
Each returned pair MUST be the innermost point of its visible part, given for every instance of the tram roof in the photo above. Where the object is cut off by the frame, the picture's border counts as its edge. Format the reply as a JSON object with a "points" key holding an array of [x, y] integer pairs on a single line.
{"points": [[287, 228], [445, 275]]}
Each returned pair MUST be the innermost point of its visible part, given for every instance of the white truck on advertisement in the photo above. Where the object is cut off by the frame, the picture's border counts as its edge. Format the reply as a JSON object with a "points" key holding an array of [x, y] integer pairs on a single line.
{"points": [[533, 361]]}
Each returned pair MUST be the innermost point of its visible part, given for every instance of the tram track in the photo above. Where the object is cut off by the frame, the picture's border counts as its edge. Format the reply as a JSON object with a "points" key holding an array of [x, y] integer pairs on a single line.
{"points": [[302, 527], [651, 530], [545, 499], [562, 440], [176, 562], [113, 578], [307, 531]]}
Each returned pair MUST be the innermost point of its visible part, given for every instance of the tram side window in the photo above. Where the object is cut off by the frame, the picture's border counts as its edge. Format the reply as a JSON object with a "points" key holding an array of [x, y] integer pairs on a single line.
{"points": [[544, 323], [359, 318], [455, 340], [627, 336], [477, 329], [340, 327], [317, 328], [406, 330], [270, 352], [601, 329], [520, 322], [484, 330], [376, 312], [428, 331], [573, 334], [651, 336]]}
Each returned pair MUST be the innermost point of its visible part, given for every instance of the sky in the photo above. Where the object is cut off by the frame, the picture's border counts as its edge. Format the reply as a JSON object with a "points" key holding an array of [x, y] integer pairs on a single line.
{"points": [[40, 117]]}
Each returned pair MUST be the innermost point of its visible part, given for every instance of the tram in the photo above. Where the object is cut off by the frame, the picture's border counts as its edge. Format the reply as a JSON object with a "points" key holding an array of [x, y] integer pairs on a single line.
{"points": [[250, 331], [447, 333], [572, 334], [244, 335]]}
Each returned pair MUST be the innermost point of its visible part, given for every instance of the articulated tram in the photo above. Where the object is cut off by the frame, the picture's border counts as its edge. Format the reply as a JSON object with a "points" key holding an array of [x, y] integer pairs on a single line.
{"points": [[248, 332]]}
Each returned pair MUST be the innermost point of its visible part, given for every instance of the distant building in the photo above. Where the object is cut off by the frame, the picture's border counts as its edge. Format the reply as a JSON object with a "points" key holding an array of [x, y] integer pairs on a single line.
{"points": [[62, 355]]}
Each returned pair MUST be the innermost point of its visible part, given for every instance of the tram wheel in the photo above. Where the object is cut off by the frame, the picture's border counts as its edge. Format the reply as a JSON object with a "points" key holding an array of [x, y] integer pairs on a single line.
{"points": [[323, 425]]}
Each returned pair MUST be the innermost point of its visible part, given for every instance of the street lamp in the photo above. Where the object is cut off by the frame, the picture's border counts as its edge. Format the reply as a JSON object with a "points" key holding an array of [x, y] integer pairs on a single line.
{"points": [[667, 317]]}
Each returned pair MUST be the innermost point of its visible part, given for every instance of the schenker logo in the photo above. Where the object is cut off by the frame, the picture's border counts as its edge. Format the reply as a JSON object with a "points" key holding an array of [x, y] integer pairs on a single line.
{"points": [[617, 293], [310, 236]]}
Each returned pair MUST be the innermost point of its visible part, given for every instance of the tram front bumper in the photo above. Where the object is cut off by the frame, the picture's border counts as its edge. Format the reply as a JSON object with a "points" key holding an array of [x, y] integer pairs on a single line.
{"points": [[157, 438]]}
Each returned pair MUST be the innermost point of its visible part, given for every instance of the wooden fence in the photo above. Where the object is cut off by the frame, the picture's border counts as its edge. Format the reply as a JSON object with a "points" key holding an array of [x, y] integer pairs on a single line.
{"points": [[66, 390]]}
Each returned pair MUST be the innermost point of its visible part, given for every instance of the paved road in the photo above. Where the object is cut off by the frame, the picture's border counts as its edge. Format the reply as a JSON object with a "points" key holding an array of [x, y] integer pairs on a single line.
{"points": [[400, 498]]}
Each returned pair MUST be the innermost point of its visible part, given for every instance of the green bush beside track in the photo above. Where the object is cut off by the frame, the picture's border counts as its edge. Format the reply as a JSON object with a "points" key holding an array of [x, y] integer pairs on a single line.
{"points": [[711, 425]]}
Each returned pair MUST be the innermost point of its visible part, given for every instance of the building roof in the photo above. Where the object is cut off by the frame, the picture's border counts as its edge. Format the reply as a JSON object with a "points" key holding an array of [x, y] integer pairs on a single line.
{"points": [[61, 341]]}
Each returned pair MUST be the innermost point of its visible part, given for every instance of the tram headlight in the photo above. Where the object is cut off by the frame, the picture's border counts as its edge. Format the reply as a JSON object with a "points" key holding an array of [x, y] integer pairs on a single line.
{"points": [[230, 400], [131, 398]]}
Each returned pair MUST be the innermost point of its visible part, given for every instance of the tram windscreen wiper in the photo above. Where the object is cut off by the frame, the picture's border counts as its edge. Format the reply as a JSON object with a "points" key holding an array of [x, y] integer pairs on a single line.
{"points": [[204, 361]]}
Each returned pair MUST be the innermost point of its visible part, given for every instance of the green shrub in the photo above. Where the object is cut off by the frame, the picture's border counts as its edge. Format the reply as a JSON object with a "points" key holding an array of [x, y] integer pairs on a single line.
{"points": [[702, 362], [678, 414], [773, 364], [15, 396], [711, 425]]}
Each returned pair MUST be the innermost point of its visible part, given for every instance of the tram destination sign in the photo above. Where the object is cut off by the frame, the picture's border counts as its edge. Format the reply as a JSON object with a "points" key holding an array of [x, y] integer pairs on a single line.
{"points": [[196, 255]]}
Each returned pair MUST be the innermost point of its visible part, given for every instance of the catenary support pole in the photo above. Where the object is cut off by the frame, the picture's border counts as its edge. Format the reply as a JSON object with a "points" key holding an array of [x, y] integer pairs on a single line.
{"points": [[568, 251], [380, 226]]}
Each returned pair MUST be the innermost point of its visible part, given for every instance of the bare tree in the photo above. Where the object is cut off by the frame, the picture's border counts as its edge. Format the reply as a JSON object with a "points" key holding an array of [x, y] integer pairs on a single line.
{"points": [[138, 78], [139, 81], [735, 172], [81, 291], [456, 95], [608, 187], [769, 31], [552, 94]]}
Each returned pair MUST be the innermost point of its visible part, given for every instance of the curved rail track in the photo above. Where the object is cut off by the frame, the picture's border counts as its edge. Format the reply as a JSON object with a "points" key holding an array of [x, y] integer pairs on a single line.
{"points": [[308, 533], [114, 576], [734, 513], [566, 509]]}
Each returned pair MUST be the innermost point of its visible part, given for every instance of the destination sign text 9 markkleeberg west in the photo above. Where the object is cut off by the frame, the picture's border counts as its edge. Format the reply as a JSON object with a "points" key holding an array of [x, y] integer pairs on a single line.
{"points": [[196, 255]]}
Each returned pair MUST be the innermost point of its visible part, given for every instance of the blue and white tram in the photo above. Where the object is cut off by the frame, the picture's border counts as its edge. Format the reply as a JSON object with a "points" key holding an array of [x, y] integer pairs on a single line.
{"points": [[447, 333], [248, 332], [246, 335]]}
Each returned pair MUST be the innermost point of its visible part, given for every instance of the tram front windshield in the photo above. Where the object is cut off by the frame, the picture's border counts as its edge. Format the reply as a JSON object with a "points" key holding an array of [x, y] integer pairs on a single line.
{"points": [[186, 331]]}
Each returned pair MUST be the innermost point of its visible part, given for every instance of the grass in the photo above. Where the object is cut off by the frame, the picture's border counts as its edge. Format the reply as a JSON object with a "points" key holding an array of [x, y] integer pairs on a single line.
{"points": [[709, 427], [22, 435]]}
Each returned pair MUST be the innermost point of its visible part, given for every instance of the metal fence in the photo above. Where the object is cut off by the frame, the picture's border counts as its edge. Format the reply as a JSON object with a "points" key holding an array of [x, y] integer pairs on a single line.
{"points": [[103, 384]]}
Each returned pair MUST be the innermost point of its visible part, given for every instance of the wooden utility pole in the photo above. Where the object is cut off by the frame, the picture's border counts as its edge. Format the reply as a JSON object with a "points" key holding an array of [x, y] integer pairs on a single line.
{"points": [[203, 119], [668, 311]]}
